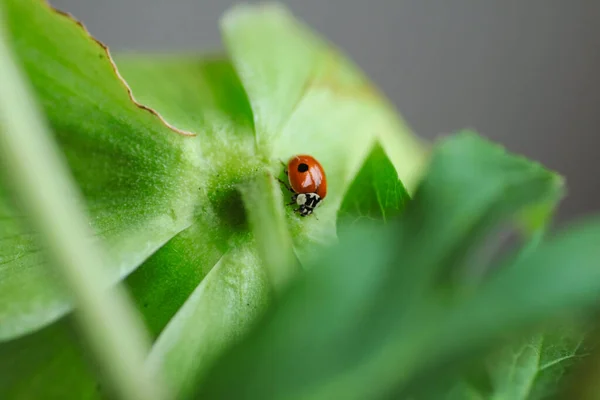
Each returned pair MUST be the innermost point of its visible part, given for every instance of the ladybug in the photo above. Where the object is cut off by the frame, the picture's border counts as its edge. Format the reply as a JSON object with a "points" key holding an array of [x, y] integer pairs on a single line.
{"points": [[307, 183]]}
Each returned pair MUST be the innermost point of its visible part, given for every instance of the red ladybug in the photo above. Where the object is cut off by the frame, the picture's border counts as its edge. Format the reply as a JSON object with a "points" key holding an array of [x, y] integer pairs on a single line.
{"points": [[307, 183]]}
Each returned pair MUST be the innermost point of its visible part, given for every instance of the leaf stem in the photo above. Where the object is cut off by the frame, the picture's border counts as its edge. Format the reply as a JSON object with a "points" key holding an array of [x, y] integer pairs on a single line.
{"points": [[42, 185]]}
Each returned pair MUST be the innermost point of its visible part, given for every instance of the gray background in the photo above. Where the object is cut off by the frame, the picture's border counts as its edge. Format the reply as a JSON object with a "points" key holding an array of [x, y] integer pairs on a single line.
{"points": [[522, 72]]}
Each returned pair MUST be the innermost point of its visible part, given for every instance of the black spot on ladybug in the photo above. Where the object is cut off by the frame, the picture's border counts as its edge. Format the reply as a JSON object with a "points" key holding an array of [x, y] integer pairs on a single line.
{"points": [[302, 167]]}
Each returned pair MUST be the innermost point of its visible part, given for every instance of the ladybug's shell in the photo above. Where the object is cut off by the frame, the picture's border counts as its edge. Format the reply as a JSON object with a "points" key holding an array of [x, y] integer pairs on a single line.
{"points": [[306, 175]]}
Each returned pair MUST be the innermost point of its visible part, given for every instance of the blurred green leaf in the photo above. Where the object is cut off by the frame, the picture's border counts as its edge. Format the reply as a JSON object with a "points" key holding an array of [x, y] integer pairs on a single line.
{"points": [[138, 176], [525, 291], [49, 363], [582, 380], [472, 187], [356, 328], [536, 367], [462, 391], [533, 369]]}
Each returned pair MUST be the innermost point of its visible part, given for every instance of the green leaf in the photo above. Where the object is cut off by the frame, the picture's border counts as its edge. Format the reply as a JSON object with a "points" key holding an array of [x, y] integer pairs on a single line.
{"points": [[212, 98], [290, 73], [376, 192], [582, 382], [137, 175], [218, 313], [471, 188], [42, 363], [534, 369], [164, 282], [463, 391], [231, 296], [536, 366], [540, 288], [365, 330]]}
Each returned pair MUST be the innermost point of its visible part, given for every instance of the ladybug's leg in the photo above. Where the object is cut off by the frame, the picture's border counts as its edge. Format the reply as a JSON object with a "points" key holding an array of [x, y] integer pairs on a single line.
{"points": [[286, 186], [293, 202], [297, 210], [284, 167]]}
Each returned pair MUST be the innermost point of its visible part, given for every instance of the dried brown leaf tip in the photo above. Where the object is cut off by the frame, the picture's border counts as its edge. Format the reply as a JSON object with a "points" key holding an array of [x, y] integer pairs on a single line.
{"points": [[117, 74]]}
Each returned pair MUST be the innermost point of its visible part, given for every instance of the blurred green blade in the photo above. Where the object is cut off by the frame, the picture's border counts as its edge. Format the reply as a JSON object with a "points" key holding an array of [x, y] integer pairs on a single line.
{"points": [[462, 391], [559, 278], [138, 177], [472, 187]]}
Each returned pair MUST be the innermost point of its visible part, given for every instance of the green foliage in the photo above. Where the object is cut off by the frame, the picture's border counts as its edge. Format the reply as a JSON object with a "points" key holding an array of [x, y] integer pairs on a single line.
{"points": [[381, 294], [138, 178], [383, 302], [533, 368], [376, 192]]}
